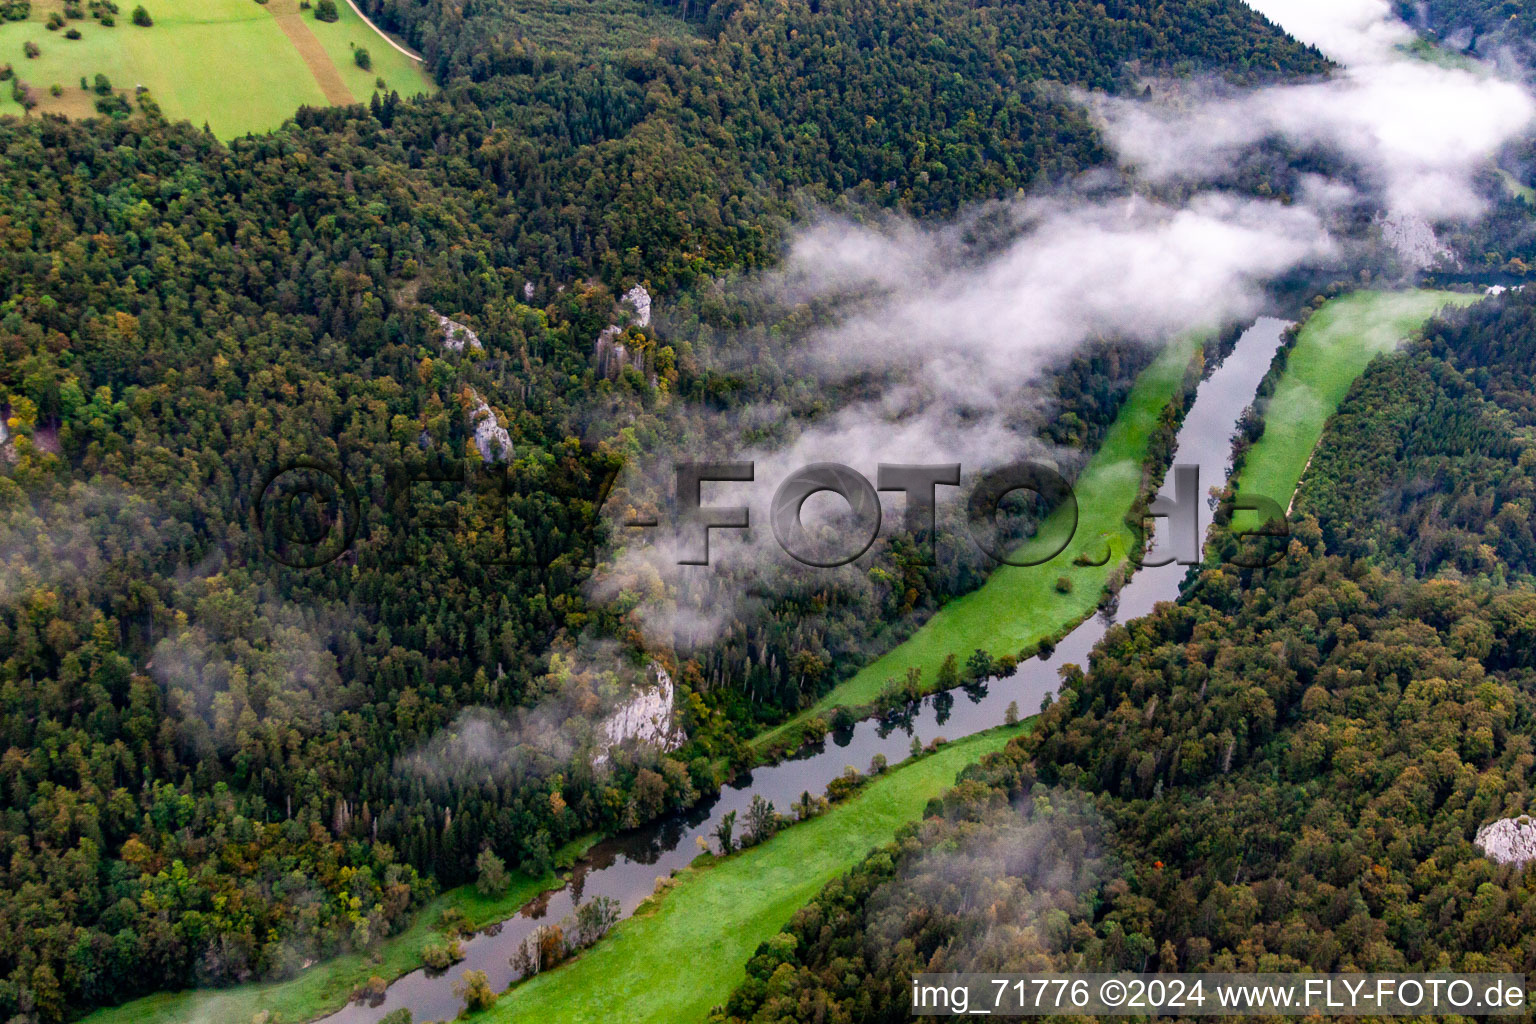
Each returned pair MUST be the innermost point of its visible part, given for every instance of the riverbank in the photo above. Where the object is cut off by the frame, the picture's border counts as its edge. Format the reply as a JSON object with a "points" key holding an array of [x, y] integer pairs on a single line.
{"points": [[685, 951], [1020, 602], [327, 986], [1018, 607], [1021, 605], [1334, 346]]}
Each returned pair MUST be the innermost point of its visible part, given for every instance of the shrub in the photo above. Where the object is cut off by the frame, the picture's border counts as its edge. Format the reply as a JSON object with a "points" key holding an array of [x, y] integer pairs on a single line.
{"points": [[73, 33], [475, 989], [15, 10], [361, 58], [844, 785], [455, 922], [371, 990], [439, 956], [31, 49], [325, 10], [1063, 585], [56, 89], [108, 20], [6, 71], [55, 21], [103, 84], [141, 17], [73, 12]]}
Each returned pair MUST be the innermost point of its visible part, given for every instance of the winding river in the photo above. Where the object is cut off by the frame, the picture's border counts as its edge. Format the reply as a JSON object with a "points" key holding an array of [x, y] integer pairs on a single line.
{"points": [[627, 866]]}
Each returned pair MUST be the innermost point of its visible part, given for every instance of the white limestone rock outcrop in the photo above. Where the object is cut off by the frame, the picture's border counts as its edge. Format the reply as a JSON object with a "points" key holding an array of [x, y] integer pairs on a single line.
{"points": [[609, 353], [493, 440], [1508, 840], [646, 717], [639, 300], [612, 355], [1414, 239], [457, 336]]}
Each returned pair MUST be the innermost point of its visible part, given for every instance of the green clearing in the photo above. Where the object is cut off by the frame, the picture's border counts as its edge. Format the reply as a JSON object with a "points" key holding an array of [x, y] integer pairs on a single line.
{"points": [[1019, 606], [400, 73], [226, 63], [1334, 347], [1516, 189], [1432, 52], [683, 953], [326, 987]]}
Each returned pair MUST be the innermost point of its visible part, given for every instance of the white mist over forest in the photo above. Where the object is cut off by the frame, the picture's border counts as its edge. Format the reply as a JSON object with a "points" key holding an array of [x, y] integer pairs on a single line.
{"points": [[959, 333]]}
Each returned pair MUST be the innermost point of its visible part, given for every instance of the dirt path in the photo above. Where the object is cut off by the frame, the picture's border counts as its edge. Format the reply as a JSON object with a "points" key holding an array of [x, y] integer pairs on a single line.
{"points": [[315, 58], [382, 35]]}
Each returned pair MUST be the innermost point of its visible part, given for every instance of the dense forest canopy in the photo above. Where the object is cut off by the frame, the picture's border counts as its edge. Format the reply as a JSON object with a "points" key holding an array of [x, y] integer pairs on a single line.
{"points": [[1284, 772], [198, 744]]}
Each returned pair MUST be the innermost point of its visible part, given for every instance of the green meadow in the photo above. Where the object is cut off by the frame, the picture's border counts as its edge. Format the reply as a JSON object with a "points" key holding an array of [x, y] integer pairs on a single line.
{"points": [[400, 73], [1334, 347], [225, 63], [685, 951], [1019, 606], [326, 987]]}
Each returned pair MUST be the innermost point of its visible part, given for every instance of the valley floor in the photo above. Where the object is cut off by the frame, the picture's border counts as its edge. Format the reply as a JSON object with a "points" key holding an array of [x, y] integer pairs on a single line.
{"points": [[721, 910], [1019, 606], [1334, 347], [685, 952]]}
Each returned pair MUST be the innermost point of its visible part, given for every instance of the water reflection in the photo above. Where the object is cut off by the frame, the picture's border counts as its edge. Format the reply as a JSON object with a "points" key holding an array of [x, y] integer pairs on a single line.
{"points": [[626, 867]]}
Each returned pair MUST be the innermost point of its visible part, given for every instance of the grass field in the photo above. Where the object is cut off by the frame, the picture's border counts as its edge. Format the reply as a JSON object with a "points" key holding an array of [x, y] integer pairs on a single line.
{"points": [[1516, 189], [227, 63], [325, 988], [684, 954], [1019, 606], [1335, 345]]}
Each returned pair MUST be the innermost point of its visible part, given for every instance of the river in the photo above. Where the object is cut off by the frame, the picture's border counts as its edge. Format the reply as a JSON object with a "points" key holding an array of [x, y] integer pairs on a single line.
{"points": [[627, 866]]}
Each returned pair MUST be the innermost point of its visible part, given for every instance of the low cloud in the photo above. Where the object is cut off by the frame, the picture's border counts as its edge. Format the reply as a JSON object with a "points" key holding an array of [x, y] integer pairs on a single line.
{"points": [[933, 341], [1418, 130]]}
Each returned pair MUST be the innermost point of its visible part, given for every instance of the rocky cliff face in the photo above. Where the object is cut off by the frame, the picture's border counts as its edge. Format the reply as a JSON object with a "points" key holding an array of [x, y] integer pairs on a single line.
{"points": [[647, 717], [493, 440], [612, 355], [1508, 840], [639, 300], [457, 336]]}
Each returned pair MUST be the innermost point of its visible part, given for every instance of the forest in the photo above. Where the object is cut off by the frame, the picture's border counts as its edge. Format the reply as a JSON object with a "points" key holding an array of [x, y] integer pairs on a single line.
{"points": [[216, 767], [1285, 771]]}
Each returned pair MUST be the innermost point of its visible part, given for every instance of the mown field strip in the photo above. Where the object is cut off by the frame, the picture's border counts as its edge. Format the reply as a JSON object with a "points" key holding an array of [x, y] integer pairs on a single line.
{"points": [[1334, 347], [672, 962], [1020, 606]]}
